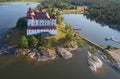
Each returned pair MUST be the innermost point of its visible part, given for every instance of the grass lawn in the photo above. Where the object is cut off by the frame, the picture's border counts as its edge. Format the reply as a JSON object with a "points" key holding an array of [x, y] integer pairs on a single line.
{"points": [[60, 34], [80, 9]]}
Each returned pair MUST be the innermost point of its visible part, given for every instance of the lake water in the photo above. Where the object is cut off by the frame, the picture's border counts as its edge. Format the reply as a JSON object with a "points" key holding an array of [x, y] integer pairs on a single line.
{"points": [[18, 67], [92, 30], [10, 13]]}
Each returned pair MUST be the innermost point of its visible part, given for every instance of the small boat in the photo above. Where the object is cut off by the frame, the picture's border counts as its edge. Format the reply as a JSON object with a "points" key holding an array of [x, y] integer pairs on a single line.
{"points": [[75, 28], [107, 39]]}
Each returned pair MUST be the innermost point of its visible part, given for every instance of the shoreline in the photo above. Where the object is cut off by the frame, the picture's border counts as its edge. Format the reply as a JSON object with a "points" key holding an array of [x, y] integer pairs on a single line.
{"points": [[94, 62], [107, 61], [7, 48], [35, 54], [14, 50]]}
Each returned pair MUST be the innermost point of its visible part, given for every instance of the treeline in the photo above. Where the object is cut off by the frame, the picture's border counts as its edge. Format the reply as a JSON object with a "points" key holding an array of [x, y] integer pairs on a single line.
{"points": [[57, 4], [68, 4], [107, 13], [67, 37]]}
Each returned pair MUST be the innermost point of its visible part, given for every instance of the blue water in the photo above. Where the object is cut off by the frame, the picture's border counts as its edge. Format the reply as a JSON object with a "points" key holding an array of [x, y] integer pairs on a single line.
{"points": [[18, 67], [92, 30], [10, 13]]}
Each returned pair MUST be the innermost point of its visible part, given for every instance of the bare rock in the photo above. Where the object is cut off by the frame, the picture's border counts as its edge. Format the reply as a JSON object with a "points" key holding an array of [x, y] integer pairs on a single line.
{"points": [[64, 53]]}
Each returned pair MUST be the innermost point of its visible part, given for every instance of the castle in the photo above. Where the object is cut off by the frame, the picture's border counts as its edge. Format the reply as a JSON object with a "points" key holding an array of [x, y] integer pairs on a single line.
{"points": [[40, 22]]}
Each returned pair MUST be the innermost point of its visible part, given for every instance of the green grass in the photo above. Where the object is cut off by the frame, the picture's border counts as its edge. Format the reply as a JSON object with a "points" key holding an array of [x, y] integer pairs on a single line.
{"points": [[60, 39], [15, 36], [79, 10], [60, 33]]}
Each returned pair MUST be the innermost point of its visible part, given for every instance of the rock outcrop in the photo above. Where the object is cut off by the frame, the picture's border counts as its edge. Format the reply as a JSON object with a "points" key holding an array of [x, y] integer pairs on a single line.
{"points": [[94, 62], [48, 55], [63, 53]]}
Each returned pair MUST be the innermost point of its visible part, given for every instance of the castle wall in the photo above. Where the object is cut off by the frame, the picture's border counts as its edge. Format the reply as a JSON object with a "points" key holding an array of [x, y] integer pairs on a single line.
{"points": [[50, 22], [38, 31]]}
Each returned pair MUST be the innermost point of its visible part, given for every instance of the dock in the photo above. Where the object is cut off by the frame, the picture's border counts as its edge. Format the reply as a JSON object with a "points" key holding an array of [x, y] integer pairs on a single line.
{"points": [[91, 42], [115, 59], [75, 28], [112, 39]]}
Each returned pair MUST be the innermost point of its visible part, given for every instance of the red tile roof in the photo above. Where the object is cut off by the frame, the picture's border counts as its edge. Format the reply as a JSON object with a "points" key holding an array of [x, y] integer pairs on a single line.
{"points": [[30, 10], [42, 15], [39, 15]]}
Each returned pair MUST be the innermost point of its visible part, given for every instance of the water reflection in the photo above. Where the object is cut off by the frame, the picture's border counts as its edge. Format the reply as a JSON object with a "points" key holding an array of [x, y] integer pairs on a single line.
{"points": [[92, 30]]}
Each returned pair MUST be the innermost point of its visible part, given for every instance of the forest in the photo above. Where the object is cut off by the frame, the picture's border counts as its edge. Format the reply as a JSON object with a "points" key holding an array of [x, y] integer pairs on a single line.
{"points": [[105, 12]]}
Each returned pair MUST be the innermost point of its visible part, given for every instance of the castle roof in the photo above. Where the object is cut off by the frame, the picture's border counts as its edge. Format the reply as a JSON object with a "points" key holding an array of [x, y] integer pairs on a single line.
{"points": [[42, 15], [39, 14]]}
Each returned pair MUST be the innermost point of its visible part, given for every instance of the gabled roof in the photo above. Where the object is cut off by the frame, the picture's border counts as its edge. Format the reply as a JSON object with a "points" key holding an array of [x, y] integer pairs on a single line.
{"points": [[41, 15]]}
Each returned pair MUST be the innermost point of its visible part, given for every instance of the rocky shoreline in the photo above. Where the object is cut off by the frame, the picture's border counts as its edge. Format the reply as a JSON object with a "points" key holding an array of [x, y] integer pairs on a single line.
{"points": [[114, 62], [36, 54], [94, 62], [49, 54]]}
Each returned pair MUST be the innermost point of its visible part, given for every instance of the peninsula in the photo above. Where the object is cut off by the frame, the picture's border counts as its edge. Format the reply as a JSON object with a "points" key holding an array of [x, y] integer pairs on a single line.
{"points": [[42, 35]]}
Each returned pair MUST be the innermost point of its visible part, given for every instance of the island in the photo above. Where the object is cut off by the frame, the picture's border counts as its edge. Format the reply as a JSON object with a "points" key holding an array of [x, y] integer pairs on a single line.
{"points": [[42, 35]]}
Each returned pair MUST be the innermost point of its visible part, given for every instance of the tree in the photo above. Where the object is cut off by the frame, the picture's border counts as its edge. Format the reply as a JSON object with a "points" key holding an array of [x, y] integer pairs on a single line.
{"points": [[61, 41], [41, 41], [23, 42], [81, 42], [53, 42], [69, 37], [33, 41], [7, 37], [50, 11], [59, 19], [21, 23], [93, 50]]}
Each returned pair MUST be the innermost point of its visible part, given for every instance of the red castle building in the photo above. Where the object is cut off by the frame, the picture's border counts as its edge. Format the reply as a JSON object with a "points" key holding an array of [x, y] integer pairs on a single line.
{"points": [[40, 22]]}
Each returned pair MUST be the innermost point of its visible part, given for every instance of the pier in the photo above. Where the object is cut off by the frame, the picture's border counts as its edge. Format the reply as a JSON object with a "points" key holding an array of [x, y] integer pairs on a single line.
{"points": [[116, 59], [112, 39], [91, 42]]}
